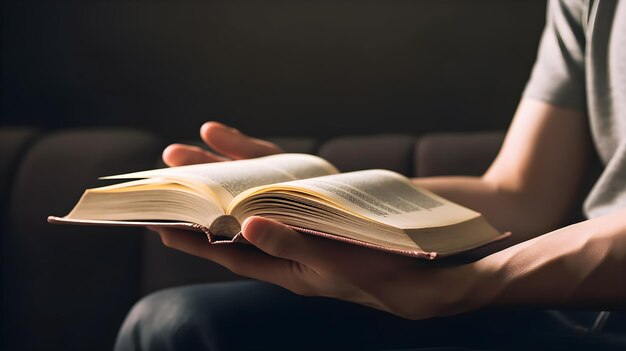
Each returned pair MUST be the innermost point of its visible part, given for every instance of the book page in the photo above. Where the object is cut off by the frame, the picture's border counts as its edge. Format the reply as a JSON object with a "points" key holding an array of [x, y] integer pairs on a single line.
{"points": [[146, 199], [384, 196], [228, 179]]}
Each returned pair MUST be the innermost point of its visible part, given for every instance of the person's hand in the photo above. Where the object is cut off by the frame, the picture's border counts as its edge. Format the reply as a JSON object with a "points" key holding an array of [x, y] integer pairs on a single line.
{"points": [[227, 144], [313, 266]]}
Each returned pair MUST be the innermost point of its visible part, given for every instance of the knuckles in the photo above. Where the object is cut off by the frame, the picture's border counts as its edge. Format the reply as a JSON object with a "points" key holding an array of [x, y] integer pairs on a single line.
{"points": [[167, 239]]}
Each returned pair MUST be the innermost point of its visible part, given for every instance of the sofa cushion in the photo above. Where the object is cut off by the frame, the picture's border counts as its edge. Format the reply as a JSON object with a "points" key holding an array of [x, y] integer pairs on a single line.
{"points": [[456, 153], [392, 151]]}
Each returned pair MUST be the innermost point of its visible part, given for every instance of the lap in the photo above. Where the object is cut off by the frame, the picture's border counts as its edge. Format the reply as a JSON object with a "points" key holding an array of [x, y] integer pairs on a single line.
{"points": [[255, 315]]}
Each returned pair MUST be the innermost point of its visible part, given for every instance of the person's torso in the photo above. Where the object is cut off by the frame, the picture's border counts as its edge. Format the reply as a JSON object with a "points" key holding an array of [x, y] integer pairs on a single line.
{"points": [[605, 75]]}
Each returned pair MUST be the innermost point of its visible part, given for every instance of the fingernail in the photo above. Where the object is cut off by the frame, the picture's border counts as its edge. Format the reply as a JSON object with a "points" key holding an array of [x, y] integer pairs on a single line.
{"points": [[170, 148], [206, 126], [229, 130], [246, 223], [253, 229]]}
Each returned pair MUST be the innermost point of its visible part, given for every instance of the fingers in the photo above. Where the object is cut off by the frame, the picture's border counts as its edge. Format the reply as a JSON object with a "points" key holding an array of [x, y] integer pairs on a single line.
{"points": [[232, 143], [182, 155], [244, 260], [187, 241], [225, 140]]}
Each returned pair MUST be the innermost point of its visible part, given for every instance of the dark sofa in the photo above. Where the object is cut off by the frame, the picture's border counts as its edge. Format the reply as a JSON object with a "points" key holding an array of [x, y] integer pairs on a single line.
{"points": [[69, 287]]}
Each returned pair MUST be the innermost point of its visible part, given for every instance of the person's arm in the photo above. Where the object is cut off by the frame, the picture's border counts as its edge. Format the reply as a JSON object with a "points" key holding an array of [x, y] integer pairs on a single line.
{"points": [[528, 189], [534, 181], [579, 266]]}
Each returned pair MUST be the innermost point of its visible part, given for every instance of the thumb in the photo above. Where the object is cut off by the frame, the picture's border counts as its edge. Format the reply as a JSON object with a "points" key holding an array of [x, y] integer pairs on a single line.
{"points": [[279, 240]]}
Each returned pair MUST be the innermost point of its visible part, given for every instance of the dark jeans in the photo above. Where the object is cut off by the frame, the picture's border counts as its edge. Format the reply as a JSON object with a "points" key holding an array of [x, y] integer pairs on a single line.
{"points": [[253, 315]]}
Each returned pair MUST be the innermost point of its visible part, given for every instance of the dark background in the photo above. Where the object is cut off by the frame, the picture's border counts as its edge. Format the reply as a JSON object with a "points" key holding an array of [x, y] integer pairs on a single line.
{"points": [[81, 72], [300, 67]]}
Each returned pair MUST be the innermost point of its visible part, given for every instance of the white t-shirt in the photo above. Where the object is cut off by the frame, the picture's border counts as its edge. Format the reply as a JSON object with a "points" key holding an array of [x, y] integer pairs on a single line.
{"points": [[581, 64]]}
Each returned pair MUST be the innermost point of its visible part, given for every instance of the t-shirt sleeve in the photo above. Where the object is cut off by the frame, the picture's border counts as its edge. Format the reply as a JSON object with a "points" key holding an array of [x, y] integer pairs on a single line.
{"points": [[558, 75]]}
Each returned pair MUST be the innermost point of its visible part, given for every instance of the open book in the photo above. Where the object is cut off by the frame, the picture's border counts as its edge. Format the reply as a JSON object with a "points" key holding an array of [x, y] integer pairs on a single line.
{"points": [[375, 208]]}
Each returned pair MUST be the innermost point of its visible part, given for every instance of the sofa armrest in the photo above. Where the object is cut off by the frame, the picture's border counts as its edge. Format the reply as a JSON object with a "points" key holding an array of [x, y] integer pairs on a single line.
{"points": [[13, 144], [71, 285]]}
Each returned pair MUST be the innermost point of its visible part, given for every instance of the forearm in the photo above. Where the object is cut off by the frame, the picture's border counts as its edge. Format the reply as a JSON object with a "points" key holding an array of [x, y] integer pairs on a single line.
{"points": [[504, 210], [582, 265], [534, 181]]}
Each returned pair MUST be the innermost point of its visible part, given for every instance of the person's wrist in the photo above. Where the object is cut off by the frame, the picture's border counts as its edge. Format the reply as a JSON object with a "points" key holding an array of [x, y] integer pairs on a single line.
{"points": [[488, 283], [472, 286], [454, 290]]}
